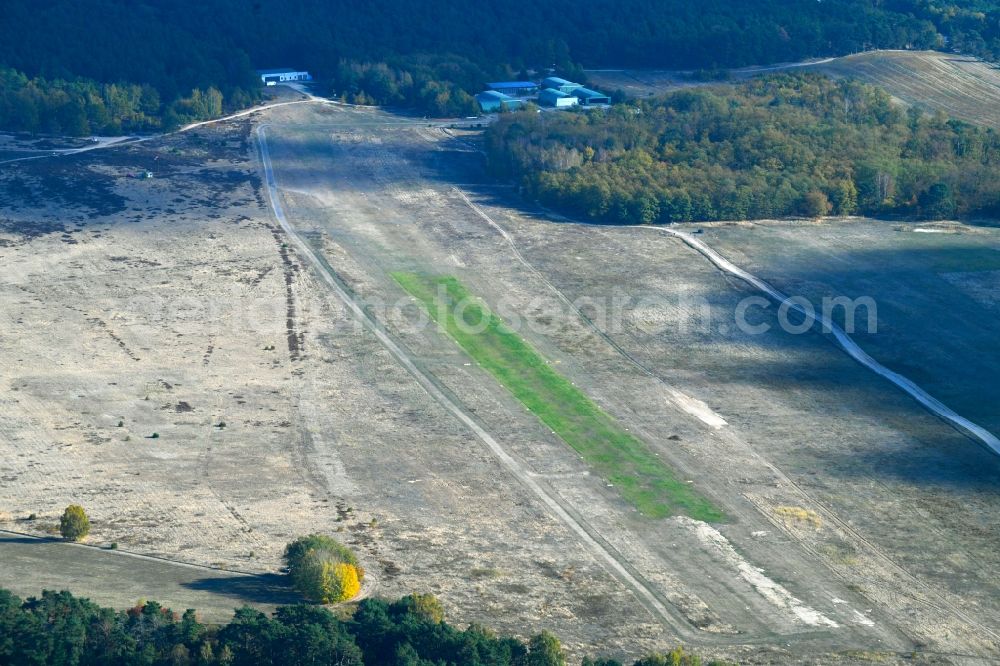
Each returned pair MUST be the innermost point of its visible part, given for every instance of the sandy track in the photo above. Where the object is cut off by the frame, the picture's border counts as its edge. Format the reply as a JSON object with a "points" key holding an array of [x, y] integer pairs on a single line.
{"points": [[117, 142], [932, 404]]}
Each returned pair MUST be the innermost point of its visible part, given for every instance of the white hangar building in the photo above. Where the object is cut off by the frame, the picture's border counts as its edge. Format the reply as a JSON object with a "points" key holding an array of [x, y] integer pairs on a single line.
{"points": [[272, 77]]}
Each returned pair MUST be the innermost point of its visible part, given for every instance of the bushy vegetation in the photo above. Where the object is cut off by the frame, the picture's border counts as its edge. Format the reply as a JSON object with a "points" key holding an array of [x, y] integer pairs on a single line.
{"points": [[59, 628], [770, 147], [74, 524], [323, 569], [642, 478], [178, 47]]}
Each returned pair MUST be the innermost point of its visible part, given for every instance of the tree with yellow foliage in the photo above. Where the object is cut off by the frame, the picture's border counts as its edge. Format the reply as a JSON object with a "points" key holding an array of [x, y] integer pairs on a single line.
{"points": [[327, 581], [323, 569]]}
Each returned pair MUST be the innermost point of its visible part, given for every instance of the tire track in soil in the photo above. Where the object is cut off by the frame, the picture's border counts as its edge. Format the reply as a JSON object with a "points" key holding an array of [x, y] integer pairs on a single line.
{"points": [[295, 338]]}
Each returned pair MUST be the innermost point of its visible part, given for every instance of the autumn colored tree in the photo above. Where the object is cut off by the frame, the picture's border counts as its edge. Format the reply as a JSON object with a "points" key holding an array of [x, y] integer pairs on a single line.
{"points": [[323, 569], [815, 204], [327, 581], [773, 146]]}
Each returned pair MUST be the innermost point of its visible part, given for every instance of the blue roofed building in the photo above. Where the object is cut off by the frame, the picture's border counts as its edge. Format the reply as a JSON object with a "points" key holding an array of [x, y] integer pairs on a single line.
{"points": [[491, 101], [556, 98], [514, 88], [562, 85]]}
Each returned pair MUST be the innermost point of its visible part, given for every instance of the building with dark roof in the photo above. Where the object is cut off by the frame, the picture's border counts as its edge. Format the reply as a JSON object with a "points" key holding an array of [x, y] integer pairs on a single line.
{"points": [[590, 97]]}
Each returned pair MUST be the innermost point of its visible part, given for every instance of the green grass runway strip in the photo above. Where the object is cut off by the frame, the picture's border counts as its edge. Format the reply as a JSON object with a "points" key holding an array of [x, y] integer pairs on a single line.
{"points": [[622, 459]]}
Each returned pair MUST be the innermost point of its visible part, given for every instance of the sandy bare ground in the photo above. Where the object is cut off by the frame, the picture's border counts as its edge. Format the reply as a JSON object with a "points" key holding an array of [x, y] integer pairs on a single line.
{"points": [[175, 305]]}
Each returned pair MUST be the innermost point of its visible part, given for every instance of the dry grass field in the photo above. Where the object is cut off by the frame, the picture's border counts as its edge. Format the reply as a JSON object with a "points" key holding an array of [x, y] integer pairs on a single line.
{"points": [[960, 86], [295, 386]]}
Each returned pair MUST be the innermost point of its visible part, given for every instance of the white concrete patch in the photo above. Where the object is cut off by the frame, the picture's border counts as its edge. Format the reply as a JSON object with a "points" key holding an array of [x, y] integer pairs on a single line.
{"points": [[697, 409], [773, 592], [862, 619]]}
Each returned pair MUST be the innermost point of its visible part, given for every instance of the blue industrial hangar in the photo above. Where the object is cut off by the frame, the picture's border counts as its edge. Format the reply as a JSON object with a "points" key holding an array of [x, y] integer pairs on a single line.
{"points": [[514, 88], [553, 92]]}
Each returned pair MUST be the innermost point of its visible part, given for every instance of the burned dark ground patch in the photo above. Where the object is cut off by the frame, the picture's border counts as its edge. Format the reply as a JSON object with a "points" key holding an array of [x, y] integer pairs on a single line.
{"points": [[206, 167], [63, 181]]}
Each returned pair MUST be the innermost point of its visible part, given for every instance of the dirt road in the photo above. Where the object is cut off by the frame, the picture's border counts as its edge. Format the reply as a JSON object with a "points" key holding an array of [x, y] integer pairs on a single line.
{"points": [[934, 405]]}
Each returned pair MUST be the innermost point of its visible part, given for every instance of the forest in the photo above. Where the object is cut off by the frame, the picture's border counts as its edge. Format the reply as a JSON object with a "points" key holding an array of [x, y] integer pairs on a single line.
{"points": [[81, 107], [430, 55], [777, 146], [58, 628]]}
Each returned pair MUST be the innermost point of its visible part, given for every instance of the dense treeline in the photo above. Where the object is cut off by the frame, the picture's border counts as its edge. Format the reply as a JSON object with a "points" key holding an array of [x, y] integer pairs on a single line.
{"points": [[61, 629], [770, 147], [438, 85], [971, 27], [176, 46], [80, 107]]}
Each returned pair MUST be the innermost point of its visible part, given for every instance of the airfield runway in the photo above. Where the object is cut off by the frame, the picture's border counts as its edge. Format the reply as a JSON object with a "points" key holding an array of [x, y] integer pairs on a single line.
{"points": [[294, 388]]}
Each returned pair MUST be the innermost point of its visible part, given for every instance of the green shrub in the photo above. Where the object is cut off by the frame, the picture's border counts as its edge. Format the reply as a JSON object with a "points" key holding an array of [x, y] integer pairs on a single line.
{"points": [[425, 606], [544, 649], [74, 524]]}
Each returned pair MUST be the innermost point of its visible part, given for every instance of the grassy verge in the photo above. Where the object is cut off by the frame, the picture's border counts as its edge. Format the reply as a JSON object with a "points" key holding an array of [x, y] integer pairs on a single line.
{"points": [[624, 460]]}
